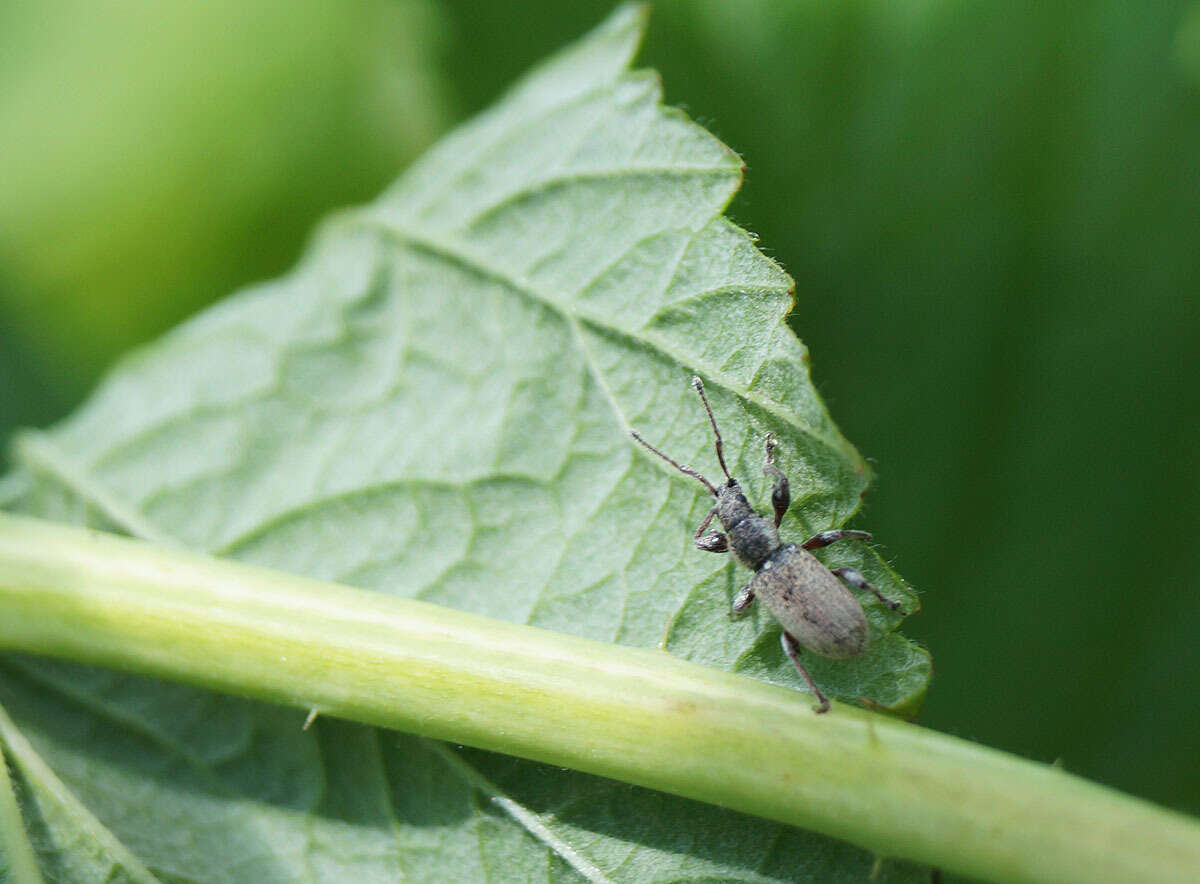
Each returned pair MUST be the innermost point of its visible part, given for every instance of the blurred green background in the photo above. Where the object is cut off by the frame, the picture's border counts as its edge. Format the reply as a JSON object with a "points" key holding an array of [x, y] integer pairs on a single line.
{"points": [[992, 212]]}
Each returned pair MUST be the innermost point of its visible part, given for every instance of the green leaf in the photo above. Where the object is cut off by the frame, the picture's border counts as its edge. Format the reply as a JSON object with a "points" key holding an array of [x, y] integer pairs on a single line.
{"points": [[436, 404]]}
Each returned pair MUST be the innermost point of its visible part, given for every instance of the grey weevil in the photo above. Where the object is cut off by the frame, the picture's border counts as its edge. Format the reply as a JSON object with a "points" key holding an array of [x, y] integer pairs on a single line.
{"points": [[816, 610]]}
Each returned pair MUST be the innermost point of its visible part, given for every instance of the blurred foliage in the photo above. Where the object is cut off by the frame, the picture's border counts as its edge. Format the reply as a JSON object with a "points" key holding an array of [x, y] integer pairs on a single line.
{"points": [[991, 211], [157, 156]]}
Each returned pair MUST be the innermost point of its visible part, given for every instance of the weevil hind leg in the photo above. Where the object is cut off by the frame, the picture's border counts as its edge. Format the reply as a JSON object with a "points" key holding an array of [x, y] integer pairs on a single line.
{"points": [[741, 602], [856, 579], [792, 648], [781, 495], [827, 537]]}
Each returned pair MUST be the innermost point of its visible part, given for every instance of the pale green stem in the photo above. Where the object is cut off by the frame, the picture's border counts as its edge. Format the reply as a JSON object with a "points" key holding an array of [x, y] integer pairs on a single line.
{"points": [[635, 715]]}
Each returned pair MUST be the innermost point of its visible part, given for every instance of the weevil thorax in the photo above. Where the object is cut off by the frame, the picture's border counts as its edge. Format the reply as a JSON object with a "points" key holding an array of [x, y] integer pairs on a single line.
{"points": [[752, 539]]}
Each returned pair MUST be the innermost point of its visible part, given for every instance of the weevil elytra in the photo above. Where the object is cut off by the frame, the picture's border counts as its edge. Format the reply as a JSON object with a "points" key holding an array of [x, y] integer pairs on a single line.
{"points": [[814, 607]]}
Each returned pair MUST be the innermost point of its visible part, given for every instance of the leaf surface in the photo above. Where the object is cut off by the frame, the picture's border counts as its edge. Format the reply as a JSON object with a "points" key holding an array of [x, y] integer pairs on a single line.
{"points": [[436, 403]]}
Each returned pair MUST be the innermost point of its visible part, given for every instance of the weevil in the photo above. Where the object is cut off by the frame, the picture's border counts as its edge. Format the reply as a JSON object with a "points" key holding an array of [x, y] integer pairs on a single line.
{"points": [[813, 606]]}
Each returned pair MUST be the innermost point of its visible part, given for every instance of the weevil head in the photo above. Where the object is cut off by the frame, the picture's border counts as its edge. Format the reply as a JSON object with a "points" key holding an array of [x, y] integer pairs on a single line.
{"points": [[751, 538], [732, 505]]}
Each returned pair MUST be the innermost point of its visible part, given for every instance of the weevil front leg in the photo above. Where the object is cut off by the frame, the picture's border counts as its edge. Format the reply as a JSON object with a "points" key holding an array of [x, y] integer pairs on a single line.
{"points": [[781, 495], [792, 648], [741, 602], [855, 578], [713, 541]]}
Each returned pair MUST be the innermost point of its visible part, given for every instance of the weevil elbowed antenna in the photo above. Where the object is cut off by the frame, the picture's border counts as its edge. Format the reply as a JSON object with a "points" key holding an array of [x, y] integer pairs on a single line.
{"points": [[688, 471], [698, 385]]}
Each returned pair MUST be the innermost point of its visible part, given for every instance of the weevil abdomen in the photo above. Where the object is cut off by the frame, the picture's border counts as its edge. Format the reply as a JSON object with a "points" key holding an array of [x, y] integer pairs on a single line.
{"points": [[811, 603]]}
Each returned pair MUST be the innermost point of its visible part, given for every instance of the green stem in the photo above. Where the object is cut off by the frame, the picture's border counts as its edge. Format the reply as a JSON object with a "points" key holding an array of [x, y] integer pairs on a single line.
{"points": [[635, 715]]}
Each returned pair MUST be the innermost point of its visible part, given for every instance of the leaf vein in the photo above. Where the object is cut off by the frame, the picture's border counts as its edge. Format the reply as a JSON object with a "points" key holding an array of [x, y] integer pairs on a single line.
{"points": [[456, 253], [35, 768], [529, 820]]}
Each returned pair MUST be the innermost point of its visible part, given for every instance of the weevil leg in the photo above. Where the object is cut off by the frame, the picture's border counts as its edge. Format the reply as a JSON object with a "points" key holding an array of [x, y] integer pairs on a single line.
{"points": [[713, 541], [781, 495], [792, 648], [741, 602], [855, 578], [827, 537]]}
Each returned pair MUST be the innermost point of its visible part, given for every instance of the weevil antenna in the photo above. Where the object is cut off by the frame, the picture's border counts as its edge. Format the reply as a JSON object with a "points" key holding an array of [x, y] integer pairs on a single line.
{"points": [[687, 471], [699, 385]]}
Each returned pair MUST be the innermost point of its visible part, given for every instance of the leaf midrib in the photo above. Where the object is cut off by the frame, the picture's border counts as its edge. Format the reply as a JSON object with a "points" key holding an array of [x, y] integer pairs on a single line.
{"points": [[574, 317]]}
